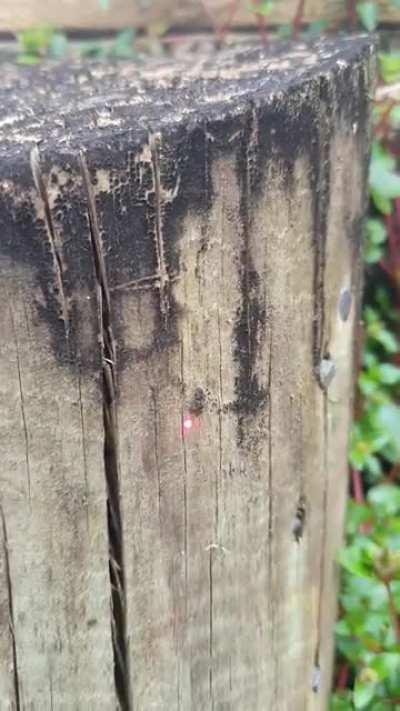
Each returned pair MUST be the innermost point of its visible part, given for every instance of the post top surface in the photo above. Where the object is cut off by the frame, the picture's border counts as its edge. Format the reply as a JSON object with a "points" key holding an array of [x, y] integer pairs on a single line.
{"points": [[64, 105]]}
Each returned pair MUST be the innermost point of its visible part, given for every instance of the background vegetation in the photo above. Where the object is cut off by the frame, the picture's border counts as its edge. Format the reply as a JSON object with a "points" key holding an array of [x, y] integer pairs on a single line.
{"points": [[368, 631]]}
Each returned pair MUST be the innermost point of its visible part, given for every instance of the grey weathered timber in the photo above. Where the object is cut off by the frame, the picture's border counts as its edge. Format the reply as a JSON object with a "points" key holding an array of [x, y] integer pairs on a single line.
{"points": [[179, 287]]}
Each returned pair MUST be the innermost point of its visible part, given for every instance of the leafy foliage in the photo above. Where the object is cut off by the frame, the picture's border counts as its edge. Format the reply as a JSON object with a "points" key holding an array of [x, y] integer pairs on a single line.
{"points": [[368, 631]]}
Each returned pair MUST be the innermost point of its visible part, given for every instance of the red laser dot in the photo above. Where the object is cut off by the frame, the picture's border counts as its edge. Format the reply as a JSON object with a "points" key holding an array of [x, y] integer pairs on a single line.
{"points": [[187, 423]]}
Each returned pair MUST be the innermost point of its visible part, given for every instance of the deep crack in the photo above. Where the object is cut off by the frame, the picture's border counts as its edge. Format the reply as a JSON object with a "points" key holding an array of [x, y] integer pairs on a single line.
{"points": [[10, 609], [111, 458]]}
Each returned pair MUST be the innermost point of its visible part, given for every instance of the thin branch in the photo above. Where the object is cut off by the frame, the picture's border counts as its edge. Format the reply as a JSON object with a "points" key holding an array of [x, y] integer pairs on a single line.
{"points": [[358, 491], [352, 14], [298, 18]]}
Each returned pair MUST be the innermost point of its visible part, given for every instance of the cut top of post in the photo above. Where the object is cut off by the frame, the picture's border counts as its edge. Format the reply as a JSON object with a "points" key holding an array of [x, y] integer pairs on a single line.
{"points": [[63, 106]]}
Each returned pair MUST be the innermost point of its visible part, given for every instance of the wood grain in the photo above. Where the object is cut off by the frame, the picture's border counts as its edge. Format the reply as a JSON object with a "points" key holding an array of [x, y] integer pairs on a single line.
{"points": [[175, 243]]}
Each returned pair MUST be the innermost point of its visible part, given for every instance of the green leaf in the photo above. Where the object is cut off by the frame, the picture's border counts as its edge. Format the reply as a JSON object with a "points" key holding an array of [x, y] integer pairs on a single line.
{"points": [[343, 629], [341, 701], [385, 498], [357, 560], [388, 374], [395, 114], [368, 14], [285, 30], [384, 182], [389, 65], [123, 44], [367, 384], [387, 419], [36, 40], [375, 231], [373, 466], [28, 59], [381, 203], [388, 341], [262, 7], [385, 665], [58, 46], [356, 515], [364, 692]]}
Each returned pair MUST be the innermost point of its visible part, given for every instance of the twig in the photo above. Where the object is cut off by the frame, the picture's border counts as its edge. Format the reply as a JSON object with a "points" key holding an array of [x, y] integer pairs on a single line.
{"points": [[342, 677], [352, 14], [358, 491], [298, 18], [262, 26]]}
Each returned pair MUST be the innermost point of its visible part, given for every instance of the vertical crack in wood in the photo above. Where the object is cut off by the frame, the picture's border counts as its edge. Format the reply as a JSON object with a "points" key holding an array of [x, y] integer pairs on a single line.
{"points": [[156, 448], [84, 456], [321, 180], [321, 191], [271, 603], [185, 476], [211, 634], [111, 454], [324, 537], [251, 395], [158, 226], [218, 482], [51, 689], [52, 236], [22, 406], [10, 610]]}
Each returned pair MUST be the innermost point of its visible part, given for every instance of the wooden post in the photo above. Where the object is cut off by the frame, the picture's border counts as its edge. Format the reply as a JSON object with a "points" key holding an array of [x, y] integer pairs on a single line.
{"points": [[179, 256]]}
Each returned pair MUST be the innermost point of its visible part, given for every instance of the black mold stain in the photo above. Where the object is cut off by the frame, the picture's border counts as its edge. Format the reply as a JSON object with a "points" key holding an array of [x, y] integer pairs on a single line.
{"points": [[249, 329], [320, 181], [287, 126], [197, 402], [25, 241], [299, 520]]}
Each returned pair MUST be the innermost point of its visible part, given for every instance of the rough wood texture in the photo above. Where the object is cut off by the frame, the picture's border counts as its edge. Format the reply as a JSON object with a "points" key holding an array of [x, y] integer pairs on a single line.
{"points": [[74, 14], [179, 276]]}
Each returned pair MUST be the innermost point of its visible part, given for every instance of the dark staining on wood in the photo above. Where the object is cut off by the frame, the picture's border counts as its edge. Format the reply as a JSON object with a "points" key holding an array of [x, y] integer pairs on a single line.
{"points": [[197, 402], [196, 122], [299, 520], [344, 306], [160, 198], [52, 236], [321, 167], [111, 456], [157, 156], [6, 558], [249, 330]]}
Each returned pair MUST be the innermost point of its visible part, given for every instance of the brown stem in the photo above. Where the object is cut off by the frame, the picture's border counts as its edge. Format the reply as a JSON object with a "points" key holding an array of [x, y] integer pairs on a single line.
{"points": [[262, 27], [221, 30], [352, 14], [394, 473], [342, 676], [358, 491], [298, 18], [210, 16]]}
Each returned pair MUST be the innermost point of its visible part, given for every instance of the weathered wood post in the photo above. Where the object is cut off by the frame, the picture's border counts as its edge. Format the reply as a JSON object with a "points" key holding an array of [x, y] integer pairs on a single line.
{"points": [[179, 253]]}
